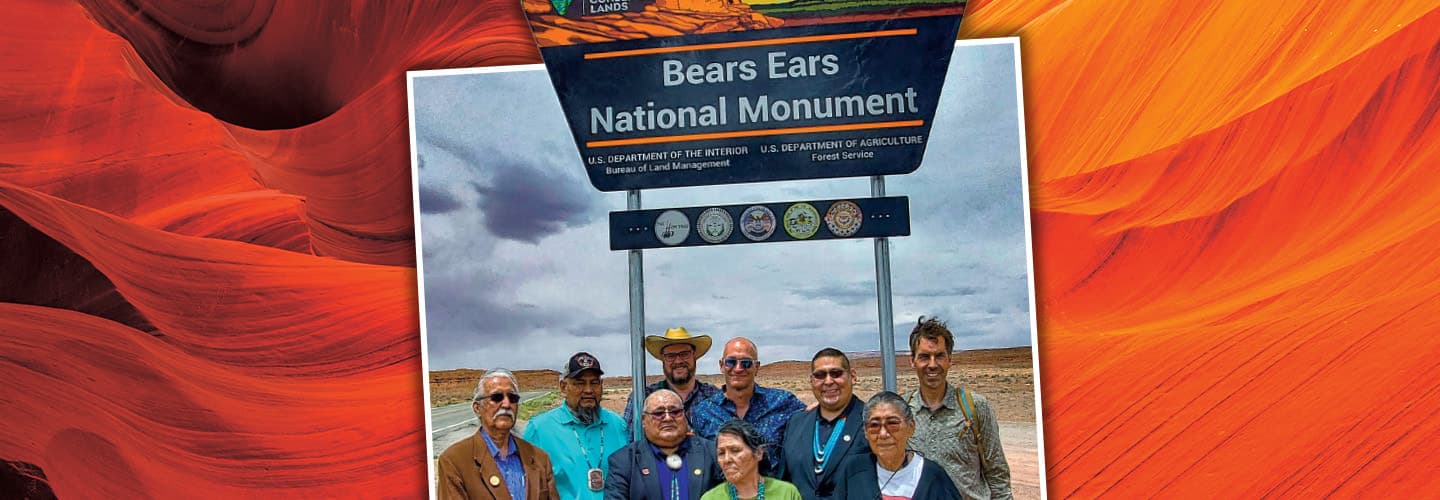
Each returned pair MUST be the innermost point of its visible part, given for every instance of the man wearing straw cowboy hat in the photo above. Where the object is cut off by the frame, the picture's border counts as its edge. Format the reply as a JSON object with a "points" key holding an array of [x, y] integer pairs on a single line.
{"points": [[678, 353]]}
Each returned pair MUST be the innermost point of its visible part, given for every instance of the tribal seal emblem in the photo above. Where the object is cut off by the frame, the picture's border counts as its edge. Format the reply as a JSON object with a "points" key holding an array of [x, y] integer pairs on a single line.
{"points": [[802, 221], [757, 223], [843, 218], [714, 225], [672, 227]]}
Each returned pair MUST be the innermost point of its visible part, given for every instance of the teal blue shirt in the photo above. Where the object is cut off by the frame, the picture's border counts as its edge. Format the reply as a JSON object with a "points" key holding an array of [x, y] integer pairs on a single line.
{"points": [[574, 449]]}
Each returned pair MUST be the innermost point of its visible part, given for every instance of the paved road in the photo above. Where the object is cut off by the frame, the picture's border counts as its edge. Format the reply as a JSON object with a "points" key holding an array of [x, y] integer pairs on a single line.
{"points": [[455, 422]]}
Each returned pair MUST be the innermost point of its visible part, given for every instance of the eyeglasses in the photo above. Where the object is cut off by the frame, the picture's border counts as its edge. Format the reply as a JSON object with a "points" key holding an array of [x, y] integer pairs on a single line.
{"points": [[672, 356], [891, 425], [663, 413], [745, 363], [499, 396], [834, 373]]}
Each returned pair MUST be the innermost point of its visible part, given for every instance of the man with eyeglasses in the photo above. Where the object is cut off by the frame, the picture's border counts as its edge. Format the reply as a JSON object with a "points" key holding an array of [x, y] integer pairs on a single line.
{"points": [[817, 441], [764, 408], [678, 353], [494, 463], [669, 464], [579, 435], [954, 427]]}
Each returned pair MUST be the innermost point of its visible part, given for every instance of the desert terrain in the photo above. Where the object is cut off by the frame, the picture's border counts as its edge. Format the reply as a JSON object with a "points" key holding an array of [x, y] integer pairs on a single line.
{"points": [[1004, 376]]}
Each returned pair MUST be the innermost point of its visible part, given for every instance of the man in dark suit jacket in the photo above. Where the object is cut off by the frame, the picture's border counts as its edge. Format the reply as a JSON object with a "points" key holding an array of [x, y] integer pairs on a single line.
{"points": [[668, 464], [817, 441], [493, 464]]}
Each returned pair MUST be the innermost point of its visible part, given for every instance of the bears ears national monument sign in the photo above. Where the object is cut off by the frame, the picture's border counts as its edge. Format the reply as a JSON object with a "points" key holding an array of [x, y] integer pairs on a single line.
{"points": [[704, 92]]}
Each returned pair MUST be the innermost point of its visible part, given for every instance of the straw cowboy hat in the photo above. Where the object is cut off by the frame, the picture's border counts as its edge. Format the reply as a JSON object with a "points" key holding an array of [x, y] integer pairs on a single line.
{"points": [[654, 343]]}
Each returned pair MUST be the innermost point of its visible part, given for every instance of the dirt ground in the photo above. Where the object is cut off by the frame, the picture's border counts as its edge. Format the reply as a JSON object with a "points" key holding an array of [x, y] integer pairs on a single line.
{"points": [[1004, 376]]}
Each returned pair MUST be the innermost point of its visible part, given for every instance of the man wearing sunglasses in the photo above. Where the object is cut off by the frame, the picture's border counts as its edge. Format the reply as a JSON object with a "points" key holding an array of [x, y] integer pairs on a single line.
{"points": [[494, 463], [954, 427], [669, 464], [764, 408], [678, 353], [817, 441], [579, 435]]}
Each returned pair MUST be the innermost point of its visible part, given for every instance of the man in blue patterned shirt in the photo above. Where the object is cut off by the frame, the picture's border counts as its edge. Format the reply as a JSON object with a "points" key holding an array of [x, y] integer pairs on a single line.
{"points": [[765, 408]]}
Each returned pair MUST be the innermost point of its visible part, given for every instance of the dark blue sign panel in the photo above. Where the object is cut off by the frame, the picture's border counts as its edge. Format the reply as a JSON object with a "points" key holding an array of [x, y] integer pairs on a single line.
{"points": [[818, 101], [760, 223]]}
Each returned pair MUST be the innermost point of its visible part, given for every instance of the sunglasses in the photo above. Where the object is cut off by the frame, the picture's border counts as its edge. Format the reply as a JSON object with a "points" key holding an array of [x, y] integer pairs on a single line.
{"points": [[663, 413], [834, 373], [500, 396], [891, 425], [745, 363]]}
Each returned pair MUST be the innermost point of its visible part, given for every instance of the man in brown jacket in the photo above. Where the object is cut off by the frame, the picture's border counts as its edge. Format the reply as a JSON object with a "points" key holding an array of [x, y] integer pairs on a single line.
{"points": [[493, 464]]}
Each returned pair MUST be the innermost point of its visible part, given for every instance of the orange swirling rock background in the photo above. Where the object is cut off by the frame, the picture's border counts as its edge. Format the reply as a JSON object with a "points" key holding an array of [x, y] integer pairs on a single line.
{"points": [[207, 281]]}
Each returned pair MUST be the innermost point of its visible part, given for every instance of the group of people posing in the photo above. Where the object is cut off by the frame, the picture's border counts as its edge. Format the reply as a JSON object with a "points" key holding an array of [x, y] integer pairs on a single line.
{"points": [[739, 441]]}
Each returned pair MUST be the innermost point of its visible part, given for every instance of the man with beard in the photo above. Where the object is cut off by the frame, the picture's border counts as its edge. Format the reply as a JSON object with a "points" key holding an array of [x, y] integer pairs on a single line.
{"points": [[579, 435], [668, 464], [954, 427], [817, 441], [493, 463], [678, 353], [764, 408]]}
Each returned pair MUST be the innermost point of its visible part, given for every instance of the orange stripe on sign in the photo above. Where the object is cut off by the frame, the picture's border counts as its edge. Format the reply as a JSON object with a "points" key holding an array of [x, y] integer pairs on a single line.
{"points": [[751, 43], [753, 133]]}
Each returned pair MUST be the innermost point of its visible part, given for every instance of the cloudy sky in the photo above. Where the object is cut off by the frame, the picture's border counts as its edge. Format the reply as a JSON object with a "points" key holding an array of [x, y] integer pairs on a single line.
{"points": [[518, 272]]}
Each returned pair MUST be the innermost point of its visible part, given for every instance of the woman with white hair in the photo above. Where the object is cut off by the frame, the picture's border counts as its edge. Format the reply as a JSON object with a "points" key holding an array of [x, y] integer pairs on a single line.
{"points": [[892, 472]]}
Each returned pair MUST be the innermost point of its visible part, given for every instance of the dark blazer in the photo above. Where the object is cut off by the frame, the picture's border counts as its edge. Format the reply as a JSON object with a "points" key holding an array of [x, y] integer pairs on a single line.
{"points": [[797, 458], [464, 469], [858, 481], [634, 471]]}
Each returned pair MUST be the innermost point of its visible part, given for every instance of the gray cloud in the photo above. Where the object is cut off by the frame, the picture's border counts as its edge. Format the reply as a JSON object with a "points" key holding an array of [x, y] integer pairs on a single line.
{"points": [[437, 201], [527, 204], [957, 291], [847, 294]]}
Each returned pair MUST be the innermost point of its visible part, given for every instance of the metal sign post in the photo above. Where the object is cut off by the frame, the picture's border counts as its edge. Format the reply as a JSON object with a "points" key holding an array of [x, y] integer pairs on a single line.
{"points": [[882, 296], [637, 326]]}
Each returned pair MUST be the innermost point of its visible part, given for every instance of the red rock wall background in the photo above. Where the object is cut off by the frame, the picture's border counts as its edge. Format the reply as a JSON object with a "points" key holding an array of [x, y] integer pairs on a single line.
{"points": [[207, 282]]}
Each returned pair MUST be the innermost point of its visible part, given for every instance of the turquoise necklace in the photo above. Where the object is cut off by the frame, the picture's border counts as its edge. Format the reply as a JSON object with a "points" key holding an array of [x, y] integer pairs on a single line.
{"points": [[822, 455], [759, 491]]}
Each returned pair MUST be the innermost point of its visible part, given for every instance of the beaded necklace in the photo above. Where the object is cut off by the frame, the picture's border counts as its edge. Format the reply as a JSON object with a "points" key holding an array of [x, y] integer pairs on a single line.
{"points": [[759, 491], [822, 455]]}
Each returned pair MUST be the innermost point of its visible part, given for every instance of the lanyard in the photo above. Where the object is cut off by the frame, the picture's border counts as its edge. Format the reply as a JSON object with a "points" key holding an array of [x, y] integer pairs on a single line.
{"points": [[587, 453]]}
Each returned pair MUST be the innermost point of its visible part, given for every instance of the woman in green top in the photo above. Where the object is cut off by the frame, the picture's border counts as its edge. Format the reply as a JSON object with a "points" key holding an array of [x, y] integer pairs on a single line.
{"points": [[739, 449]]}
